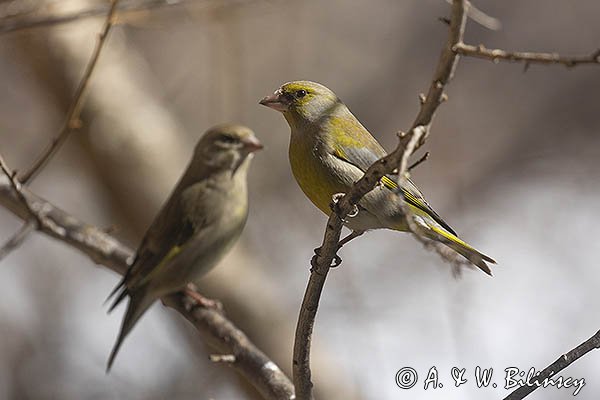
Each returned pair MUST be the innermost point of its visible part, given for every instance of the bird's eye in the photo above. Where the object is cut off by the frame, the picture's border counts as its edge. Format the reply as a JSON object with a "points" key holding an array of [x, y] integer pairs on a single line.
{"points": [[301, 93], [229, 139]]}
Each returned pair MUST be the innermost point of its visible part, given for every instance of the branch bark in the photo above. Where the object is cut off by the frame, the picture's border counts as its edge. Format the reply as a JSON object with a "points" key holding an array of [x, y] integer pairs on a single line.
{"points": [[322, 262], [104, 249], [497, 55], [561, 363]]}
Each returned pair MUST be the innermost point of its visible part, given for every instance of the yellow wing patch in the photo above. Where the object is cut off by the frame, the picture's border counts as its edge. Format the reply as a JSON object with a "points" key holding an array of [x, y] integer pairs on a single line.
{"points": [[170, 255]]}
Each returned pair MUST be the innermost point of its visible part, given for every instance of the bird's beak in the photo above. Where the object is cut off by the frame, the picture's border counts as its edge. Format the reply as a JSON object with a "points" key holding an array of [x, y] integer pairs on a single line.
{"points": [[275, 101], [252, 144]]}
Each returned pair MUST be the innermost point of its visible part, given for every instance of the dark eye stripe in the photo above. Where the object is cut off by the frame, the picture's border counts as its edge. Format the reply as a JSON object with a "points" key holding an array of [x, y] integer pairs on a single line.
{"points": [[229, 139]]}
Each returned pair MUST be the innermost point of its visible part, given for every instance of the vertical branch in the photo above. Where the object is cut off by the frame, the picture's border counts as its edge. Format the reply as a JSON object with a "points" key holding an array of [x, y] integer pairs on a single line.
{"points": [[72, 121], [344, 206]]}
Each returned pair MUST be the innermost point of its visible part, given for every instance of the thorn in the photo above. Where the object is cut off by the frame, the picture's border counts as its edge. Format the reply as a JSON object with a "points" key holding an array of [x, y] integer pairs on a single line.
{"points": [[444, 20], [422, 98], [443, 98]]}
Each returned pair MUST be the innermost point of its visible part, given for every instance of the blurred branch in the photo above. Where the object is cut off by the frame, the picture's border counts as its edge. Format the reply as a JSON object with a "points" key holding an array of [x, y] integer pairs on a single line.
{"points": [[17, 239], [104, 249], [16, 24], [31, 222], [72, 121], [345, 205], [497, 55], [481, 17], [563, 362]]}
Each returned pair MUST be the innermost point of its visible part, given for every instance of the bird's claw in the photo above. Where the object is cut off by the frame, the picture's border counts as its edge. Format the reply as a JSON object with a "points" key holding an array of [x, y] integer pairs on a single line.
{"points": [[203, 301], [314, 261], [335, 199]]}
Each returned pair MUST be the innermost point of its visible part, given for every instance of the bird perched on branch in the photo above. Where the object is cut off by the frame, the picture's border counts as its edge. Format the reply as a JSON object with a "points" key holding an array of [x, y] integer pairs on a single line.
{"points": [[202, 219], [330, 150]]}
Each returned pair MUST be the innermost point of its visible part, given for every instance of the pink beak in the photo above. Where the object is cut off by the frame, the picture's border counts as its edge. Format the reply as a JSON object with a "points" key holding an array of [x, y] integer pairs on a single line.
{"points": [[252, 144], [275, 101]]}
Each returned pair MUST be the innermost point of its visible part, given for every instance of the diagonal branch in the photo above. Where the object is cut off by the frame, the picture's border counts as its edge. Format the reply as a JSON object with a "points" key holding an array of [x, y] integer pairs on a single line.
{"points": [[102, 248], [563, 362], [322, 262], [497, 55], [72, 119]]}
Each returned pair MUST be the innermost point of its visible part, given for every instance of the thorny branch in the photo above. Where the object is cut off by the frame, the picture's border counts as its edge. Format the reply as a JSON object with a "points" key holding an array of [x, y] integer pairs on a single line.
{"points": [[72, 121], [561, 363], [345, 205], [102, 248], [497, 55]]}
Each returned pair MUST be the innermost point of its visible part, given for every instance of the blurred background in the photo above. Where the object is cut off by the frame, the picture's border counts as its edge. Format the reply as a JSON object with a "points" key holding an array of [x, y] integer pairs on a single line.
{"points": [[514, 168]]}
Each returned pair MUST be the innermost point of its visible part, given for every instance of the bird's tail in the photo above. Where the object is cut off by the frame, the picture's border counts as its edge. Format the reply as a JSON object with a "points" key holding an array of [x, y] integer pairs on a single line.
{"points": [[473, 255], [139, 302]]}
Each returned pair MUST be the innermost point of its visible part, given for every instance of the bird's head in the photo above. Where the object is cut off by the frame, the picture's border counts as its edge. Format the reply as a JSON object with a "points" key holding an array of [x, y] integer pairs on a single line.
{"points": [[226, 146], [302, 101]]}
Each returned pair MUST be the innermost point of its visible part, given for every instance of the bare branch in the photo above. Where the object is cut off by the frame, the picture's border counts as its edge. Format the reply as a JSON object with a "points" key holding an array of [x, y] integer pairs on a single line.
{"points": [[561, 363], [211, 324], [481, 17], [497, 55], [322, 261], [72, 119], [17, 24]]}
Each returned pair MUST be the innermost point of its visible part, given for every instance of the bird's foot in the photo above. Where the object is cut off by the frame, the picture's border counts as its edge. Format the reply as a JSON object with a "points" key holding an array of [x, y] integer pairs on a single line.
{"points": [[200, 300], [314, 261], [335, 199]]}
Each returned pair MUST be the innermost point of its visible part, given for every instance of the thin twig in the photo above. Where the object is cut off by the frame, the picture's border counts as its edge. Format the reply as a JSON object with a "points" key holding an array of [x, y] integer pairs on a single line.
{"points": [[72, 118], [17, 239], [345, 205], [561, 363], [420, 161], [481, 17], [497, 55], [216, 330]]}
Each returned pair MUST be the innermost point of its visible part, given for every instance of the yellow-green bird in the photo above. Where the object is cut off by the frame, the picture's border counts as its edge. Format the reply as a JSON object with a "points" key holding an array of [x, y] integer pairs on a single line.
{"points": [[202, 219], [330, 150]]}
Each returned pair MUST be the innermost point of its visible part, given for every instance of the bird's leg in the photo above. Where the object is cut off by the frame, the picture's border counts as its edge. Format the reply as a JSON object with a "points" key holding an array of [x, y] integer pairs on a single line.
{"points": [[205, 302], [352, 235], [336, 260]]}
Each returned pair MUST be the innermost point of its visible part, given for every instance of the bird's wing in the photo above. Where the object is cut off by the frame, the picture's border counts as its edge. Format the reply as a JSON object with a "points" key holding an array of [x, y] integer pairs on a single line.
{"points": [[364, 157], [165, 238]]}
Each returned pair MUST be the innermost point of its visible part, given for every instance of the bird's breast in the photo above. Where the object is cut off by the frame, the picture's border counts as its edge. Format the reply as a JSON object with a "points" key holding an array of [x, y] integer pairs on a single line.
{"points": [[309, 167]]}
